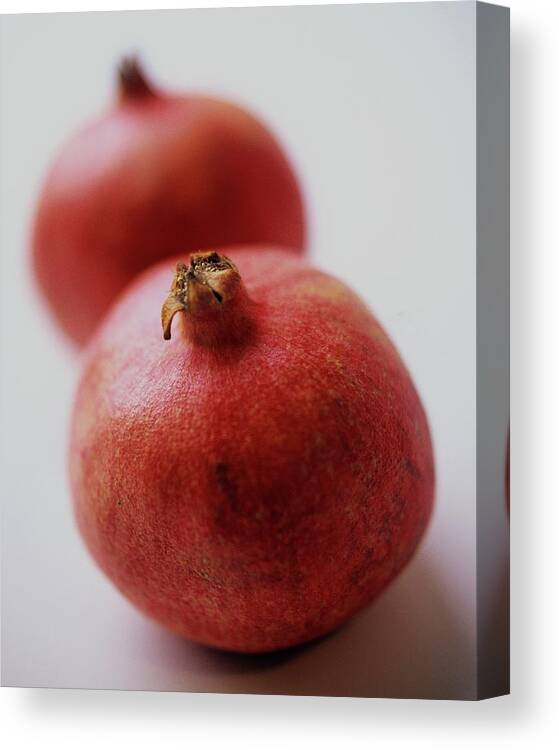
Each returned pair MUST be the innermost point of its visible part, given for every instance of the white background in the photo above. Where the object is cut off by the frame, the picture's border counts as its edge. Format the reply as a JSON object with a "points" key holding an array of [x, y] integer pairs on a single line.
{"points": [[213, 721]]}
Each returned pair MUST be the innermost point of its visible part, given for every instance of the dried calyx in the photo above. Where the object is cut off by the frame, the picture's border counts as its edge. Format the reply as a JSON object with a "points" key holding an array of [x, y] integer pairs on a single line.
{"points": [[132, 82], [211, 294]]}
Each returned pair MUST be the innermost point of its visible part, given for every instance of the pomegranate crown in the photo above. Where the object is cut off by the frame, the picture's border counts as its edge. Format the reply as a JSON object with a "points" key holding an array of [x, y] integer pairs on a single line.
{"points": [[132, 81], [202, 290]]}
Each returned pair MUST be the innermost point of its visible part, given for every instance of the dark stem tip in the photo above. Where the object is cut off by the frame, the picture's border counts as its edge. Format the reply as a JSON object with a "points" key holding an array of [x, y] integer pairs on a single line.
{"points": [[132, 81]]}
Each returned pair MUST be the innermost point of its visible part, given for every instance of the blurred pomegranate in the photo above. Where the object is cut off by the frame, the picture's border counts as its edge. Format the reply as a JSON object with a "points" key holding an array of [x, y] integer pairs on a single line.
{"points": [[157, 175]]}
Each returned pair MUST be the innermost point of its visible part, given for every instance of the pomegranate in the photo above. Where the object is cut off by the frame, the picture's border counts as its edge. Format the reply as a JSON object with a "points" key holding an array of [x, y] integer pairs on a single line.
{"points": [[263, 470], [158, 174]]}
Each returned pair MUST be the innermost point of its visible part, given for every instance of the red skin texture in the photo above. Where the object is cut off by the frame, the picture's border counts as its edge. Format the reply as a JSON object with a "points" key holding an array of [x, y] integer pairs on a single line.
{"points": [[157, 175], [251, 496]]}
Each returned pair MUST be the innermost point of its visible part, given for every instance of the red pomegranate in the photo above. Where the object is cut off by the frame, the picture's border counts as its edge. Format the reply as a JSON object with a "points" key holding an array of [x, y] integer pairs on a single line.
{"points": [[261, 475], [157, 175]]}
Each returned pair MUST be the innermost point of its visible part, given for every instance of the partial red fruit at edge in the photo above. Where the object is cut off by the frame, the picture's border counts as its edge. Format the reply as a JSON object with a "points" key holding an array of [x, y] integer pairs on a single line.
{"points": [[507, 472], [157, 175], [263, 475]]}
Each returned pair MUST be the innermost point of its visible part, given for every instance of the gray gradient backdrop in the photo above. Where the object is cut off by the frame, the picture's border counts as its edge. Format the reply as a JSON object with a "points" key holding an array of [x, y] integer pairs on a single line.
{"points": [[377, 107]]}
